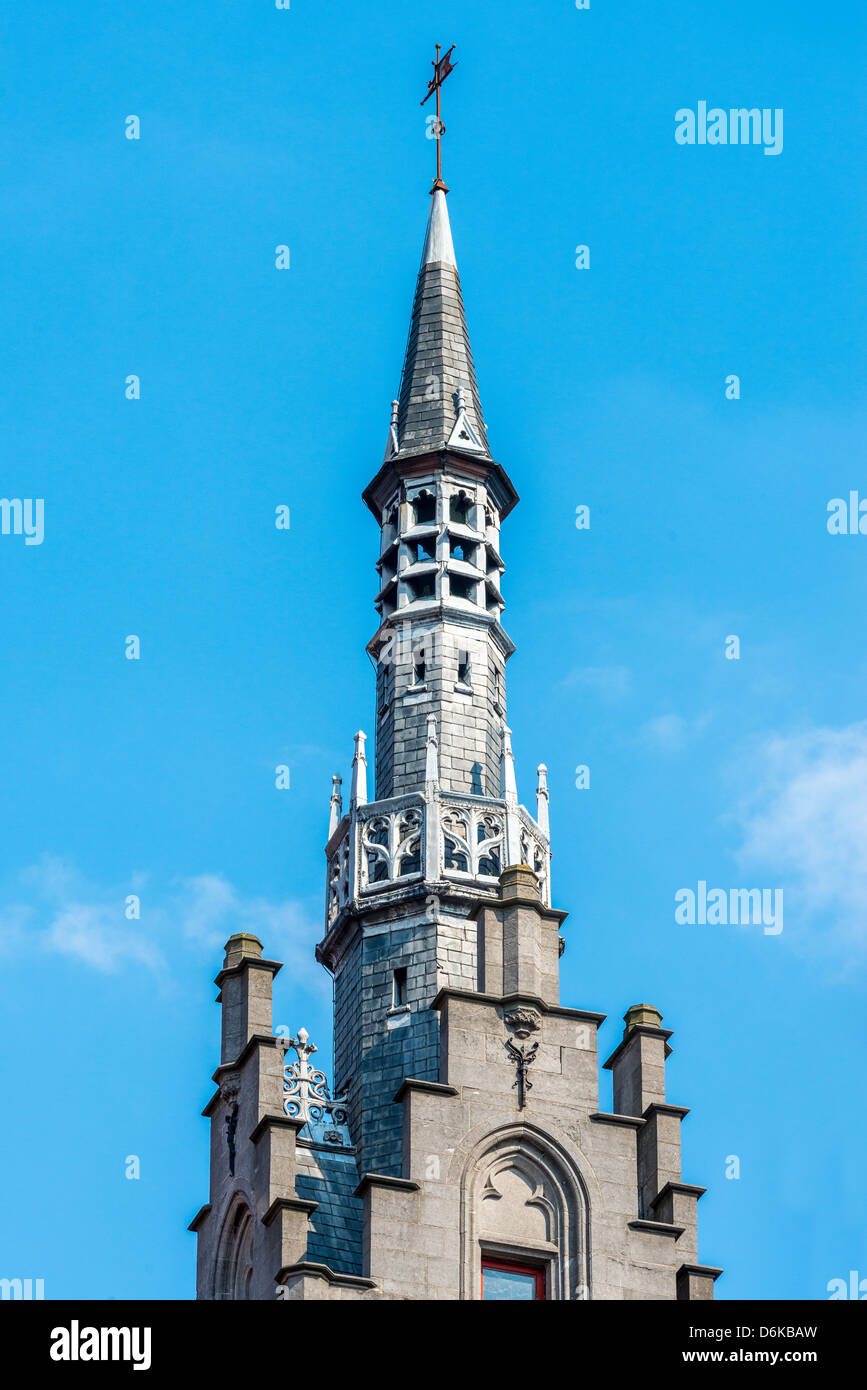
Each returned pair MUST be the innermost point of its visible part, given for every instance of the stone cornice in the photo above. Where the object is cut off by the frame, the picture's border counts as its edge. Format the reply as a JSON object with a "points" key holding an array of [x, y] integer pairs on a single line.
{"points": [[708, 1271], [433, 1088], [248, 963], [287, 1204], [684, 1188], [321, 1271], [384, 1180], [519, 900], [390, 905], [268, 1122], [250, 1046], [659, 1228], [377, 492], [556, 1010], [199, 1217], [257, 1040], [601, 1117], [641, 1030], [328, 1150], [661, 1107]]}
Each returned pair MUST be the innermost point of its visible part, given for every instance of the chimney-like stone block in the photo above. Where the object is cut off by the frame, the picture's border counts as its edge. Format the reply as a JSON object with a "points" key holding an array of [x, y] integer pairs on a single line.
{"points": [[518, 938], [638, 1063], [677, 1203], [388, 1202], [245, 984], [274, 1162], [434, 1121], [284, 1241], [659, 1151], [695, 1282]]}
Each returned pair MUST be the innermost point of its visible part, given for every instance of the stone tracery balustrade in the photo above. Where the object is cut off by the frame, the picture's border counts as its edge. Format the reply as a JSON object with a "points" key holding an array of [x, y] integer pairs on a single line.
{"points": [[385, 845]]}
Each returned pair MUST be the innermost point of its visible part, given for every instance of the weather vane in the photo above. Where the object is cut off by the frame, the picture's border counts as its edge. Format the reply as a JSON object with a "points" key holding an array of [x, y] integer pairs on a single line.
{"points": [[442, 67]]}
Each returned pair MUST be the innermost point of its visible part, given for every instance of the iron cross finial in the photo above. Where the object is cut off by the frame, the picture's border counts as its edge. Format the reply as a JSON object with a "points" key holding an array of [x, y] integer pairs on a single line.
{"points": [[442, 67]]}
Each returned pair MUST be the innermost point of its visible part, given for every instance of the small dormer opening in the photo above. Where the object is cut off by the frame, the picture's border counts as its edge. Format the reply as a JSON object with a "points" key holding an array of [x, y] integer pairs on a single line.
{"points": [[496, 685], [424, 508], [459, 508], [399, 998], [385, 687]]}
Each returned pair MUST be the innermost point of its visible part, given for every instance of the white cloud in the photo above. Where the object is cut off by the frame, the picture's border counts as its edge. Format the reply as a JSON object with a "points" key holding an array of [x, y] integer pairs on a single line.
{"points": [[806, 822], [209, 910], [100, 936], [58, 911]]}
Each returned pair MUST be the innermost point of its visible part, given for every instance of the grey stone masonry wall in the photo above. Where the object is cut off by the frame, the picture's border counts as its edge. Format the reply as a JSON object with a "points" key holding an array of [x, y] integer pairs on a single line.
{"points": [[468, 725], [392, 1041], [453, 627], [500, 1149]]}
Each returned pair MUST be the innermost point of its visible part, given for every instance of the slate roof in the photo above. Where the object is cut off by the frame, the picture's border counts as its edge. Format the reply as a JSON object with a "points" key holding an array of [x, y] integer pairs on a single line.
{"points": [[438, 358], [334, 1229]]}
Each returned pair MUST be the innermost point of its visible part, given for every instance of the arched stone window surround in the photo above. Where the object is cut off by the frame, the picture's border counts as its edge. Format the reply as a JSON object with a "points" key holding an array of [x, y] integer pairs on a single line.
{"points": [[233, 1267], [561, 1193]]}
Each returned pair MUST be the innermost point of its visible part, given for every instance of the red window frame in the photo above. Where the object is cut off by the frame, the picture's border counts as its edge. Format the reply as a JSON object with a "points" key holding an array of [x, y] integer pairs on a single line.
{"points": [[514, 1267]]}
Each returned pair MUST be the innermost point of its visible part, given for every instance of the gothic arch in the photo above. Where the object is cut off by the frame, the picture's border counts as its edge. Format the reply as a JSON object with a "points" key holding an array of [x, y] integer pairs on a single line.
{"points": [[233, 1268], [523, 1195]]}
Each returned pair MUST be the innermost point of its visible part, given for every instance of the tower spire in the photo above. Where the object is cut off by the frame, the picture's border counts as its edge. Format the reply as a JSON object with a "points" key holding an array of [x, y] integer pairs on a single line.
{"points": [[438, 401]]}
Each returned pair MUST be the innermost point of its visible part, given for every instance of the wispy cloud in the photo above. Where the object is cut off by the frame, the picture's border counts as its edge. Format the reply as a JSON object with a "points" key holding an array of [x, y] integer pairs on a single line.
{"points": [[806, 821], [209, 909], [56, 910]]}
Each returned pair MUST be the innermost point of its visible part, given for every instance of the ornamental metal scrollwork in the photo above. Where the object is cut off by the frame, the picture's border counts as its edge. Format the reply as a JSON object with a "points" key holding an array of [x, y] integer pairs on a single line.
{"points": [[522, 1057], [305, 1088], [305, 1092]]}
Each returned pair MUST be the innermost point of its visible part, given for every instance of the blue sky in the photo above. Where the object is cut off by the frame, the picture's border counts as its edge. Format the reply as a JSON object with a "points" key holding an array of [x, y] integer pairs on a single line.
{"points": [[603, 387]]}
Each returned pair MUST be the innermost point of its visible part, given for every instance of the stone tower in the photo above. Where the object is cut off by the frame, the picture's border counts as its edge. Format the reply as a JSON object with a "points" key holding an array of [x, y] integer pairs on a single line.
{"points": [[461, 1152]]}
